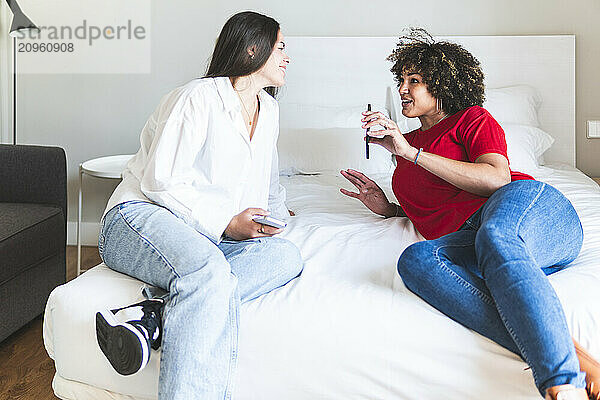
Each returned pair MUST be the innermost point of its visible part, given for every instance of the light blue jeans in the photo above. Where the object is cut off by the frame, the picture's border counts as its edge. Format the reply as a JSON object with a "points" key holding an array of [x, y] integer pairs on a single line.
{"points": [[206, 284], [490, 276]]}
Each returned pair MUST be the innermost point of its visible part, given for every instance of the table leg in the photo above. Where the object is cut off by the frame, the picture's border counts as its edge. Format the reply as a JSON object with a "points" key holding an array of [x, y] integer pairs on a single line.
{"points": [[79, 223]]}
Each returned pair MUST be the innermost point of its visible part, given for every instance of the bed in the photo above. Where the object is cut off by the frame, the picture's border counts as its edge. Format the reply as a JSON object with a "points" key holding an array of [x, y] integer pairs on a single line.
{"points": [[347, 328]]}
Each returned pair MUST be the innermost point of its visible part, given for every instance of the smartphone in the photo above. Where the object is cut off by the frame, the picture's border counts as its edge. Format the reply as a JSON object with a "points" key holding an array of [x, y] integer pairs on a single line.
{"points": [[367, 136], [270, 221]]}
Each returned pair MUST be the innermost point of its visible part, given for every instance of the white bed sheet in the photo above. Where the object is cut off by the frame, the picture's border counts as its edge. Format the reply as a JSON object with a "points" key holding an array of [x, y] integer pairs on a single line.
{"points": [[347, 328]]}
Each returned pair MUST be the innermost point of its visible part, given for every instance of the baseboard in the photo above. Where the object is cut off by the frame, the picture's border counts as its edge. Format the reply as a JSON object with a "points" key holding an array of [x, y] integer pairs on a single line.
{"points": [[89, 233]]}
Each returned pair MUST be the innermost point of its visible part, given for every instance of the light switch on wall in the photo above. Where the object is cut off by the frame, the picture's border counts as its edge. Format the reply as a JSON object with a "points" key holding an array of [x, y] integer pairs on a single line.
{"points": [[593, 129]]}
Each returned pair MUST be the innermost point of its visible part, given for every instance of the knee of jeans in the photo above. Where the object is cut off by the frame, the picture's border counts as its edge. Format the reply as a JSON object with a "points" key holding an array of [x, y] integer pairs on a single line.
{"points": [[288, 254], [215, 272], [490, 234], [576, 243], [411, 262], [579, 240]]}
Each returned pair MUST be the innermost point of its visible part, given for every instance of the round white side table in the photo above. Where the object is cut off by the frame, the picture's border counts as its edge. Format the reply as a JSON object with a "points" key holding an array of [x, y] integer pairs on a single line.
{"points": [[110, 167]]}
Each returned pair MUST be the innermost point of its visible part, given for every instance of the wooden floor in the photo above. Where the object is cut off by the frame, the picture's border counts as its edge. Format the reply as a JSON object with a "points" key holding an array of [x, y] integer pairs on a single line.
{"points": [[26, 371]]}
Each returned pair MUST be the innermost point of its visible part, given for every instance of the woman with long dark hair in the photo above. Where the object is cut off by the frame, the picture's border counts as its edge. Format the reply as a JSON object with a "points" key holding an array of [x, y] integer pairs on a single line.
{"points": [[182, 219]]}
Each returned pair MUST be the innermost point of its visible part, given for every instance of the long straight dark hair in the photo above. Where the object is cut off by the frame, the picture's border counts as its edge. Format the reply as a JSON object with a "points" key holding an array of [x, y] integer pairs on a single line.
{"points": [[243, 31]]}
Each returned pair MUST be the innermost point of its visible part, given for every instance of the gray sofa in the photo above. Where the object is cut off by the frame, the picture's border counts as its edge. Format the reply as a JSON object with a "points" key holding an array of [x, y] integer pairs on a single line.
{"points": [[33, 225]]}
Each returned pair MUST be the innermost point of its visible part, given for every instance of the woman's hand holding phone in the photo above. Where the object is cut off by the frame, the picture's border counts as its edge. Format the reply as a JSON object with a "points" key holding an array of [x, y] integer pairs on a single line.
{"points": [[242, 226], [390, 137]]}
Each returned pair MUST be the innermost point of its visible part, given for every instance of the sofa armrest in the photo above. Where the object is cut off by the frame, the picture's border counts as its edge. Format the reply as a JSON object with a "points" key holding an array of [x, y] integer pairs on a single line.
{"points": [[33, 174]]}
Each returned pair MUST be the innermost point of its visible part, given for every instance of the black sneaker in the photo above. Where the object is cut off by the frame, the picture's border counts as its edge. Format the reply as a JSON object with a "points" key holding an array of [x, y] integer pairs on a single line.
{"points": [[125, 335]]}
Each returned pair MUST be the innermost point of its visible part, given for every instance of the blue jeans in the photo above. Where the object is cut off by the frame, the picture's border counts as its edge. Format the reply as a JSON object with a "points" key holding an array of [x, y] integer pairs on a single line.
{"points": [[490, 276], [206, 284]]}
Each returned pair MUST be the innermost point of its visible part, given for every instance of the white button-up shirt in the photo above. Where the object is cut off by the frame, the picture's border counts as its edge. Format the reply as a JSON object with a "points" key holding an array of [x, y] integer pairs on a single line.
{"points": [[196, 158]]}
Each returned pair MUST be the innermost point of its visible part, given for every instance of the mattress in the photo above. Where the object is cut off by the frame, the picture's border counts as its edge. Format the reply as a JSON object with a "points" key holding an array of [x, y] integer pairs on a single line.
{"points": [[347, 328]]}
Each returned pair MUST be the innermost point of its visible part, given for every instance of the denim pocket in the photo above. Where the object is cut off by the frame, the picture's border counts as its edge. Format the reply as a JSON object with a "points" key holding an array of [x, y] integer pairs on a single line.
{"points": [[473, 222]]}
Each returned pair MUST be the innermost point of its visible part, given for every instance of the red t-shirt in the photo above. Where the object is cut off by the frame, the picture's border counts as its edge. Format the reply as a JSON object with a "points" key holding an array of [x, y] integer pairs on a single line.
{"points": [[435, 206]]}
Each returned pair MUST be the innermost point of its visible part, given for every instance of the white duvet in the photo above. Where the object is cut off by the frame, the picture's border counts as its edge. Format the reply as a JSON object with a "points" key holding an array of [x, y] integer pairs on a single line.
{"points": [[347, 328]]}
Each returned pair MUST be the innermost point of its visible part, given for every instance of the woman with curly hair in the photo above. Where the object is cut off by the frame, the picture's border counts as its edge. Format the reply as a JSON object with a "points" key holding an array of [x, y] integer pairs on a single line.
{"points": [[493, 234]]}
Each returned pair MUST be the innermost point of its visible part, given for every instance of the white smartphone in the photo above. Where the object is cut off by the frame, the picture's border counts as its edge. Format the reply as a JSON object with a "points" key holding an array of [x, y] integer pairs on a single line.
{"points": [[270, 221]]}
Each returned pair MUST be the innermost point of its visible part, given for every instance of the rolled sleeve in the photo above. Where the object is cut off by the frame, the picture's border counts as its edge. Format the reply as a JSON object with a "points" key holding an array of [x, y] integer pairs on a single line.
{"points": [[483, 135], [277, 192]]}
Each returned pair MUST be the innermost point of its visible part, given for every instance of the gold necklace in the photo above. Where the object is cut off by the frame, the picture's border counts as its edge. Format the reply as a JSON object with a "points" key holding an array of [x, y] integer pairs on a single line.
{"points": [[245, 109]]}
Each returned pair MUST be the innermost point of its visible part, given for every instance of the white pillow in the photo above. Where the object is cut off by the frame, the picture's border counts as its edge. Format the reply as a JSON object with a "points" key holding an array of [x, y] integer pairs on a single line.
{"points": [[514, 104], [298, 116], [327, 151], [525, 146]]}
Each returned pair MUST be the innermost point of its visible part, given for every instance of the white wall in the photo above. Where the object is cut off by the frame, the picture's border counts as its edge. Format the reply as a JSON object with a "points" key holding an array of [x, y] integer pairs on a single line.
{"points": [[96, 115], [5, 80]]}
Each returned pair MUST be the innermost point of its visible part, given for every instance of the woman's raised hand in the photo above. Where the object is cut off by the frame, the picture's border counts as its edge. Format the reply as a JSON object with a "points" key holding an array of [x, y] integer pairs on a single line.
{"points": [[369, 193], [390, 138], [242, 226]]}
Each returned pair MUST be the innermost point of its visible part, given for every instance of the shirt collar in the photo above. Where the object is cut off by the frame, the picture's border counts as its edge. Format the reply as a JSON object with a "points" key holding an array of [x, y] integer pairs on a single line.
{"points": [[229, 97]]}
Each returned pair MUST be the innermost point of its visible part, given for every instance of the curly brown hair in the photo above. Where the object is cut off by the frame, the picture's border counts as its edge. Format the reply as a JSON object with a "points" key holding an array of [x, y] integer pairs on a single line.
{"points": [[450, 72]]}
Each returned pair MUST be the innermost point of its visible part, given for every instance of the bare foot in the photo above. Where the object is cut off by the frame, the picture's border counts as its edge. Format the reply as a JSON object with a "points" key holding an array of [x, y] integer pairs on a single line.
{"points": [[565, 392], [591, 367]]}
